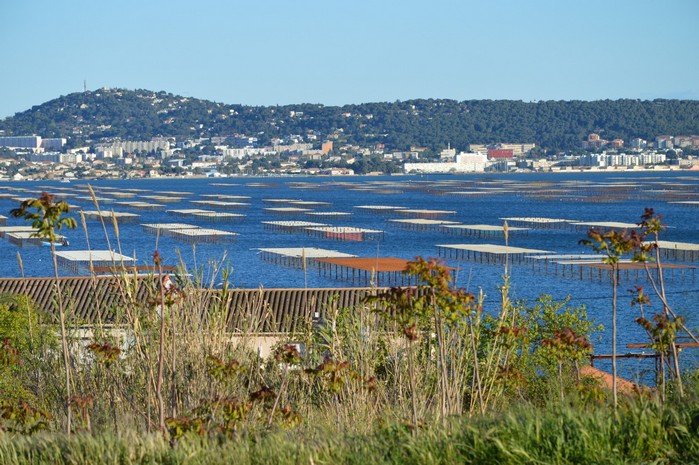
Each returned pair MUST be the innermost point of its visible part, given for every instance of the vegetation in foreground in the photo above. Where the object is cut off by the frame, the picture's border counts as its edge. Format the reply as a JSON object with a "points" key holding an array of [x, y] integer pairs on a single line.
{"points": [[415, 375], [641, 432]]}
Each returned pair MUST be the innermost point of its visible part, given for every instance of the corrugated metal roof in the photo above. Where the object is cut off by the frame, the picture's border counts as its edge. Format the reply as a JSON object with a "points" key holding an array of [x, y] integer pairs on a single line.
{"points": [[87, 299]]}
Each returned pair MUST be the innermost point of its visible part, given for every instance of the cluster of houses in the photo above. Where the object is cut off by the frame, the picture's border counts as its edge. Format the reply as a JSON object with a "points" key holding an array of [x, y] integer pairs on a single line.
{"points": [[35, 157]]}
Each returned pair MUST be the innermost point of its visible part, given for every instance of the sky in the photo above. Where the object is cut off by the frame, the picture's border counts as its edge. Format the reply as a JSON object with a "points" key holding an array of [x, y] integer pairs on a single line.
{"points": [[332, 52]]}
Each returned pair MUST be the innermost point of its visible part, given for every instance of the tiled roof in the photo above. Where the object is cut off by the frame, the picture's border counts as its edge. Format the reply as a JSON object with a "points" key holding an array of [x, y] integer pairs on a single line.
{"points": [[606, 379]]}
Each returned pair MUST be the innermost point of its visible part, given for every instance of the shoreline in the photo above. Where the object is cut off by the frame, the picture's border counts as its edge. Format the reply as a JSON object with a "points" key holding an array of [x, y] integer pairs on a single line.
{"points": [[567, 170]]}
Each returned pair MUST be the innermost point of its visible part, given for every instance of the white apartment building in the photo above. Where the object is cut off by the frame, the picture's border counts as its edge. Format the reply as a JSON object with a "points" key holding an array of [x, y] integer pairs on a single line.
{"points": [[243, 152], [463, 163], [130, 146], [35, 143], [622, 159], [55, 157]]}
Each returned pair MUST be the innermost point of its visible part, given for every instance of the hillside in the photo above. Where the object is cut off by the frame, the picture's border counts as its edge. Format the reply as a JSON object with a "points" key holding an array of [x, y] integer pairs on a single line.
{"points": [[87, 117]]}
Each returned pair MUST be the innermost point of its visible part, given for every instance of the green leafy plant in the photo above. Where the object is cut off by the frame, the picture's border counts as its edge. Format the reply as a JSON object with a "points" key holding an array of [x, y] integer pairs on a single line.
{"points": [[46, 215], [22, 417], [566, 344]]}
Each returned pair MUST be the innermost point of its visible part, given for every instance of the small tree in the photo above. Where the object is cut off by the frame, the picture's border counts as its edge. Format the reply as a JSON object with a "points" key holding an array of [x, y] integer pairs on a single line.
{"points": [[46, 215], [47, 219], [613, 244], [667, 324]]}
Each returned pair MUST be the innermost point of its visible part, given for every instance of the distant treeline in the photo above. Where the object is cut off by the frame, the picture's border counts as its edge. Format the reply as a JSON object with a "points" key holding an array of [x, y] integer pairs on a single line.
{"points": [[87, 117]]}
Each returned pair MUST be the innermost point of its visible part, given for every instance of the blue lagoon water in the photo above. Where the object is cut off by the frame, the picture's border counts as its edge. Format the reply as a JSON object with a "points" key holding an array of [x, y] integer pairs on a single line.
{"points": [[586, 197]]}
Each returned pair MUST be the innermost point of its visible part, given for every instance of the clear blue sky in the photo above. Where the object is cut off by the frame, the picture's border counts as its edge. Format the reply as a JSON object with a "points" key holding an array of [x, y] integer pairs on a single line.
{"points": [[267, 52]]}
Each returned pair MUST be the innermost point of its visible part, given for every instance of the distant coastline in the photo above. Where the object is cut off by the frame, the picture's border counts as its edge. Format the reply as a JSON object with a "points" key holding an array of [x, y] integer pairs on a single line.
{"points": [[567, 170]]}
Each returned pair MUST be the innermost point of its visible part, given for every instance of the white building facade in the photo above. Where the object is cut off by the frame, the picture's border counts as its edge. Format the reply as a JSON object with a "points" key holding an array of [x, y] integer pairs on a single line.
{"points": [[463, 163]]}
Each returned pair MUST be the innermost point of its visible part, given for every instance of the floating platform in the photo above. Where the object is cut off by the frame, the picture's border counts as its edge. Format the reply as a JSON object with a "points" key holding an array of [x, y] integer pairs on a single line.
{"points": [[262, 185], [142, 205], [482, 230], [77, 260], [207, 215], [603, 225], [310, 204], [474, 194], [163, 198], [166, 229], [15, 229], [423, 213], [218, 217], [540, 223], [279, 201], [225, 197], [202, 235], [121, 217], [223, 184], [22, 238], [308, 185], [221, 204], [174, 193], [421, 224], [544, 260], [92, 200], [688, 203], [290, 226], [379, 209], [628, 270], [682, 251], [286, 210], [328, 214], [68, 195], [345, 233], [123, 195], [299, 257], [486, 253], [369, 271]]}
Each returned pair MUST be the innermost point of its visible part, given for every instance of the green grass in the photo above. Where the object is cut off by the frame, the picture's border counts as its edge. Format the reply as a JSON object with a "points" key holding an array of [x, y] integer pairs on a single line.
{"points": [[641, 432]]}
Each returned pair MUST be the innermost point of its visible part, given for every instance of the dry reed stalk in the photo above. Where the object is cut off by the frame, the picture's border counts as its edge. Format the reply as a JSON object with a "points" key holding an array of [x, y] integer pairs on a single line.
{"points": [[161, 349], [99, 213]]}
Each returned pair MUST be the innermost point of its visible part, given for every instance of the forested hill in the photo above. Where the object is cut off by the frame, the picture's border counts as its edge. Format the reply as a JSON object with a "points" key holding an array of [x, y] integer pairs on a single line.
{"points": [[87, 117]]}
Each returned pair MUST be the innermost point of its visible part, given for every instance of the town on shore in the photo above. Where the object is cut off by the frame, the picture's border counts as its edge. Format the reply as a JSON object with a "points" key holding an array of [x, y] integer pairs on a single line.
{"points": [[32, 157], [123, 134]]}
